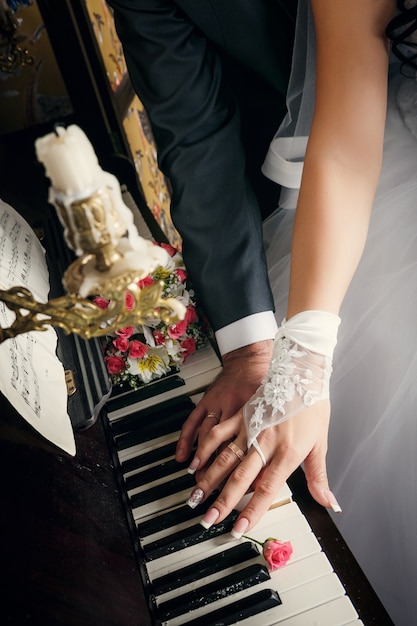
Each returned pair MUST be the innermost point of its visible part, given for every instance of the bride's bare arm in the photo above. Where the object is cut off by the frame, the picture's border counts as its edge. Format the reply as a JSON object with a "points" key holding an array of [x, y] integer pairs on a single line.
{"points": [[344, 152], [341, 171]]}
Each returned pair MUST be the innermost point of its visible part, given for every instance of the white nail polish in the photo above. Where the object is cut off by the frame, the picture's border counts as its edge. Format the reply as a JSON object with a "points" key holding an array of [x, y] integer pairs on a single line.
{"points": [[239, 528], [209, 518], [195, 498], [335, 506], [194, 465]]}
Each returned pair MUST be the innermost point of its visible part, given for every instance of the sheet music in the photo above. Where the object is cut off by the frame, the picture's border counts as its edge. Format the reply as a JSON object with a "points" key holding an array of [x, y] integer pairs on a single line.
{"points": [[31, 375]]}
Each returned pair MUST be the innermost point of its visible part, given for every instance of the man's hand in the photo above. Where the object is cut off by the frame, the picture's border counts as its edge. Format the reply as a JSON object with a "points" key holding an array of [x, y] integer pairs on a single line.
{"points": [[243, 372]]}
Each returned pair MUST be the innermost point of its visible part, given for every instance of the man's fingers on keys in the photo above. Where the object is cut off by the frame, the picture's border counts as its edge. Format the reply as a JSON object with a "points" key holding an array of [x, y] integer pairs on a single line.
{"points": [[242, 475], [189, 432], [211, 419], [219, 435]]}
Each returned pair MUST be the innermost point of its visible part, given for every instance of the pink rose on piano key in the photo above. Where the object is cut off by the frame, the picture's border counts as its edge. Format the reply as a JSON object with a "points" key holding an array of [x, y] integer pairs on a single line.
{"points": [[276, 553]]}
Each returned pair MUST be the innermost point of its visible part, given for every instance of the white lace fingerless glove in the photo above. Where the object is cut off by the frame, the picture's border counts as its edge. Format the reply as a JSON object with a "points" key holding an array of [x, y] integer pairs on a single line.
{"points": [[298, 375]]}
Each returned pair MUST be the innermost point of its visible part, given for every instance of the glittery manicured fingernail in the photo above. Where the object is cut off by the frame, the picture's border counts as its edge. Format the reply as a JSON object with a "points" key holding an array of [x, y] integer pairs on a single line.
{"points": [[195, 498], [209, 518], [334, 505], [240, 527], [194, 465]]}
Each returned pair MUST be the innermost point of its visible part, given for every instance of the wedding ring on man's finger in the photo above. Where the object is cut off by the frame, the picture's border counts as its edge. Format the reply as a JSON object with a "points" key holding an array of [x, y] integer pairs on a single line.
{"points": [[213, 415], [236, 450]]}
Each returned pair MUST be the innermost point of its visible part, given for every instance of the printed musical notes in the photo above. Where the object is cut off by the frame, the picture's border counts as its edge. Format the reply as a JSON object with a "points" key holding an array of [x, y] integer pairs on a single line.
{"points": [[31, 376]]}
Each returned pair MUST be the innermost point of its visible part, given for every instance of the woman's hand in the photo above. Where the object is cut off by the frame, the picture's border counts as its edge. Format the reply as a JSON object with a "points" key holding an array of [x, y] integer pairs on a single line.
{"points": [[303, 437], [243, 372]]}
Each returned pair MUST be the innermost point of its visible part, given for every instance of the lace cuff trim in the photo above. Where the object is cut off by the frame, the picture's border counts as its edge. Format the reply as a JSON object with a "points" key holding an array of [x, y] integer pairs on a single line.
{"points": [[297, 378]]}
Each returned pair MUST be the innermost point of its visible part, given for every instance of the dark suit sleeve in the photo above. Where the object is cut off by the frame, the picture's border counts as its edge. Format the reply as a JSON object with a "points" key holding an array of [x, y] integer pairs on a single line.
{"points": [[178, 77]]}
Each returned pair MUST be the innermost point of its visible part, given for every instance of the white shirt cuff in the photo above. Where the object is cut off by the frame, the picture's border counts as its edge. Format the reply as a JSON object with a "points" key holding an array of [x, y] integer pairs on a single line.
{"points": [[250, 329]]}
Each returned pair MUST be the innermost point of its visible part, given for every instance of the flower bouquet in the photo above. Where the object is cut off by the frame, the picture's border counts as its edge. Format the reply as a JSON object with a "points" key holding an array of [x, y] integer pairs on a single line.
{"points": [[136, 356]]}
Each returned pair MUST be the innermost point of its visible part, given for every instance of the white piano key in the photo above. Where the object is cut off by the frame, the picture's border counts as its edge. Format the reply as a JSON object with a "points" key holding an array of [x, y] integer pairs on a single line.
{"points": [[287, 522], [283, 498], [146, 446], [311, 594], [162, 504], [296, 601], [167, 531], [339, 612], [155, 443], [139, 470], [158, 481], [198, 372], [300, 569], [307, 563]]}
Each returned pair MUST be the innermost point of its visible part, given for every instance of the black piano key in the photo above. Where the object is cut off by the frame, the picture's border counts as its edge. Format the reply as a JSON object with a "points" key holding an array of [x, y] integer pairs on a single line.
{"points": [[173, 517], [147, 430], [187, 481], [147, 458], [242, 552], [188, 537], [164, 469], [151, 415], [120, 400], [245, 578], [235, 612]]}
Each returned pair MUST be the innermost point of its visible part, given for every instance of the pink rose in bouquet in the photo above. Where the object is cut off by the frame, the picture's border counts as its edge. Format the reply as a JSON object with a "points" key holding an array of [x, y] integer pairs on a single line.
{"points": [[137, 349], [121, 343], [188, 347], [129, 301], [102, 303], [115, 364], [126, 332], [177, 330]]}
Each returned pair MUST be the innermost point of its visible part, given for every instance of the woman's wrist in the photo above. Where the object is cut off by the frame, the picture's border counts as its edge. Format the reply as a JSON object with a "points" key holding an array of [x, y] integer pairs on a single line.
{"points": [[314, 330]]}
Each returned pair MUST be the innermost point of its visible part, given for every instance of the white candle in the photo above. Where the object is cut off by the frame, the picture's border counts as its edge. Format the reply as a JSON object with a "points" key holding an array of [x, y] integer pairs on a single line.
{"points": [[72, 166], [70, 161]]}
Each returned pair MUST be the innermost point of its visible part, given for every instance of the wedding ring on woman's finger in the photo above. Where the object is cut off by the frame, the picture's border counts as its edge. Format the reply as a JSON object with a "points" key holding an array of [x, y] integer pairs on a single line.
{"points": [[213, 415], [236, 450]]}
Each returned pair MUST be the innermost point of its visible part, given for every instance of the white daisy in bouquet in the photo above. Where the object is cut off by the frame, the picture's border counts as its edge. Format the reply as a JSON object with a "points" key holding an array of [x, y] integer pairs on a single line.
{"points": [[136, 355]]}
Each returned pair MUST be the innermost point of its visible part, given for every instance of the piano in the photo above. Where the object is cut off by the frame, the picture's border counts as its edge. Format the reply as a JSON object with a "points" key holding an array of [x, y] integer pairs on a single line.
{"points": [[105, 539]]}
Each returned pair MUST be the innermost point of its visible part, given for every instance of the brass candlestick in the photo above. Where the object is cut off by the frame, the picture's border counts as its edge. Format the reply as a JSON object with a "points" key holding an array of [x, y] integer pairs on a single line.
{"points": [[112, 259]]}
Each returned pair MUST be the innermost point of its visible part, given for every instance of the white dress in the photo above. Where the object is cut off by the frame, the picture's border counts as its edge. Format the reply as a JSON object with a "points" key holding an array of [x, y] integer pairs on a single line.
{"points": [[372, 458]]}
